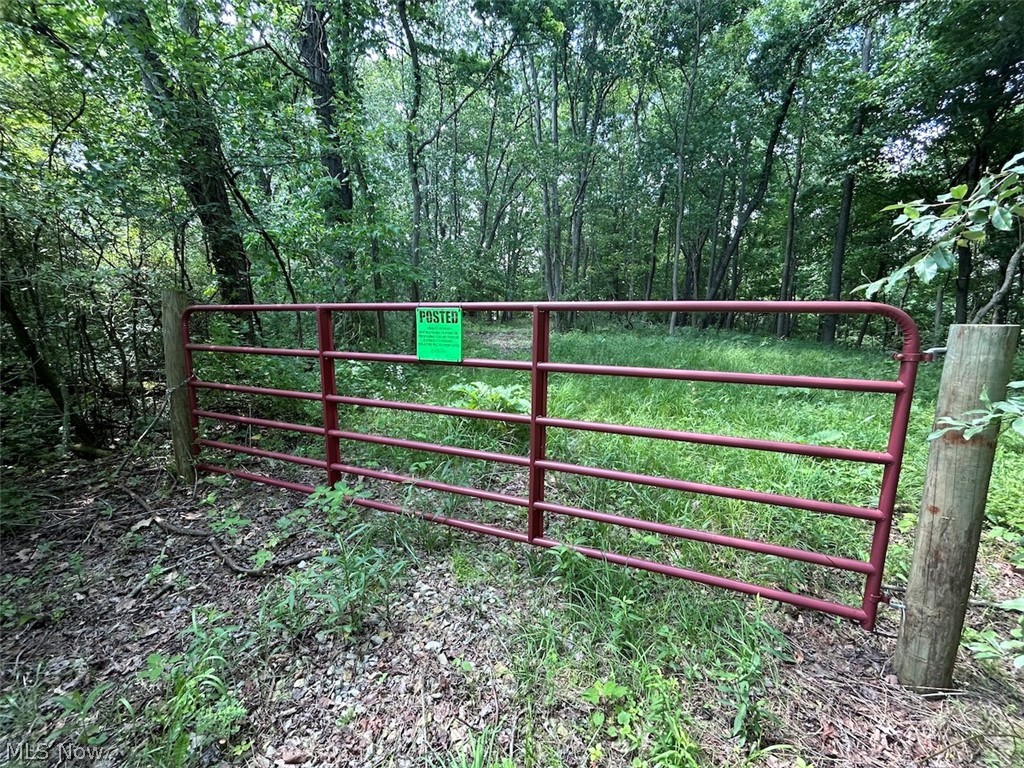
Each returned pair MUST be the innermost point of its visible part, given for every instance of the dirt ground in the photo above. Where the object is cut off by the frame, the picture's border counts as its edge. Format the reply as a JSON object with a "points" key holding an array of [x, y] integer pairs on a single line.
{"points": [[85, 604]]}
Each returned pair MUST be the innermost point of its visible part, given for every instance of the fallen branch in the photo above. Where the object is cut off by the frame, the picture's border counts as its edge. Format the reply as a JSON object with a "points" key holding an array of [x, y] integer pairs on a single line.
{"points": [[211, 538]]}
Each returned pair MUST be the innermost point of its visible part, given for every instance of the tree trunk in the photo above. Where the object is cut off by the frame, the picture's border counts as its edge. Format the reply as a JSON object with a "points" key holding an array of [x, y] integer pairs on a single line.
{"points": [[747, 210], [784, 322], [314, 52], [44, 374], [412, 151], [979, 360], [186, 120], [835, 279], [655, 232]]}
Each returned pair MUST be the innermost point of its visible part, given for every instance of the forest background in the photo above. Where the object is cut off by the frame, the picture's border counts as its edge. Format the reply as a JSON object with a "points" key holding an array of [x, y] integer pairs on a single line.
{"points": [[382, 150]]}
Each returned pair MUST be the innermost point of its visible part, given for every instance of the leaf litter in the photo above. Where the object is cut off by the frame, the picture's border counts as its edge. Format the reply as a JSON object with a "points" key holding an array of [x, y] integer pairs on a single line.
{"points": [[109, 577]]}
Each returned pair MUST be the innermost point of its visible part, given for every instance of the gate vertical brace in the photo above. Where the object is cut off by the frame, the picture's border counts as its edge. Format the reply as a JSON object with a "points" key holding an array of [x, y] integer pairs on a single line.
{"points": [[538, 410], [325, 343], [890, 480]]}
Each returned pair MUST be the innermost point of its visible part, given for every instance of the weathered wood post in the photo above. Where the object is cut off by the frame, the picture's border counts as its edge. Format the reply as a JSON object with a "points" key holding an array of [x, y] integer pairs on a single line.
{"points": [[978, 359], [173, 304]]}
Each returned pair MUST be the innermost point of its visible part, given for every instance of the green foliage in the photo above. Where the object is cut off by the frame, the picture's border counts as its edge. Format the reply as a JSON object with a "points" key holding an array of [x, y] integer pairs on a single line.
{"points": [[194, 704], [31, 430], [649, 724], [1009, 412], [19, 505], [480, 396], [332, 594], [989, 645], [960, 217], [77, 708]]}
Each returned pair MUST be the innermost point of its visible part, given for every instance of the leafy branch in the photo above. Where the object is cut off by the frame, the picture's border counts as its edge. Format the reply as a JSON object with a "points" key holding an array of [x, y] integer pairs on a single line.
{"points": [[1010, 410], [959, 218]]}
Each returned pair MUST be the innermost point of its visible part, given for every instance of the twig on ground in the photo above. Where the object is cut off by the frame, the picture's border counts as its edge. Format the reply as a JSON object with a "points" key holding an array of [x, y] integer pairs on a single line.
{"points": [[972, 603], [215, 544]]}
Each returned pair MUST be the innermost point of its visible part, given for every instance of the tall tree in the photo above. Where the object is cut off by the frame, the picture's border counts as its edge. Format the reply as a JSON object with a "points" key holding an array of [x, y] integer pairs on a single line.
{"points": [[835, 280], [187, 122]]}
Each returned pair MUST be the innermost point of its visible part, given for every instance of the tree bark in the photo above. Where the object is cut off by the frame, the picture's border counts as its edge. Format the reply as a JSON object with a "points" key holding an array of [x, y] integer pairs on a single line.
{"points": [[784, 322], [412, 155], [173, 305], [655, 233], [755, 200]]}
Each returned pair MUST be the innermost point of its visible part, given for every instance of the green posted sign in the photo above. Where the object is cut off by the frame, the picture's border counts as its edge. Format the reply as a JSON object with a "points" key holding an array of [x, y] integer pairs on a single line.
{"points": [[439, 334]]}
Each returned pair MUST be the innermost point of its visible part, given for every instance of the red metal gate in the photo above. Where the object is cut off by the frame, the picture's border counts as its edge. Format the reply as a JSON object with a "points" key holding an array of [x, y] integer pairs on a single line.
{"points": [[538, 420]]}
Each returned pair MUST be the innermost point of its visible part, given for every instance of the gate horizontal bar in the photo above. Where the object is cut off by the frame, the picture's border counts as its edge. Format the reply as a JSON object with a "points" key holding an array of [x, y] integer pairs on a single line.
{"points": [[432, 485], [794, 502], [248, 390], [469, 362], [801, 449], [511, 418], [705, 537], [897, 315], [255, 422], [770, 593], [306, 462], [416, 445], [729, 377], [454, 522], [252, 476], [253, 350]]}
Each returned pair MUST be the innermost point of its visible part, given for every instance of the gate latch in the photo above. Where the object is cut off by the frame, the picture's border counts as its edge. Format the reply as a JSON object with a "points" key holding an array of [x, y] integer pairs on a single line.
{"points": [[926, 356]]}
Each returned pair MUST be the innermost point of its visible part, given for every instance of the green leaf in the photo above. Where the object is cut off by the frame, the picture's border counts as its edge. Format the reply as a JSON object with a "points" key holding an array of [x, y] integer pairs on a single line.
{"points": [[1001, 219], [1017, 425], [926, 269], [939, 433], [959, 192], [592, 695], [1013, 161], [1017, 604], [921, 227]]}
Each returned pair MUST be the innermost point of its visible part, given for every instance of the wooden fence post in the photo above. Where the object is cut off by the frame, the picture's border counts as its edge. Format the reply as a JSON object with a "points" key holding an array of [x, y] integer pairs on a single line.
{"points": [[173, 304], [978, 359]]}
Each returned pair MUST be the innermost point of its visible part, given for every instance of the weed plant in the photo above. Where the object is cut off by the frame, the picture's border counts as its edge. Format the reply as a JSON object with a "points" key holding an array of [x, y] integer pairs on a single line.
{"points": [[195, 707]]}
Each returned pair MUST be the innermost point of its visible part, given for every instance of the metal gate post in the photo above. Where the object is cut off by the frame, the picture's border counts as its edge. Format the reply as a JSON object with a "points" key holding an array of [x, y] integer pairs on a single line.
{"points": [[909, 358], [538, 410], [325, 343]]}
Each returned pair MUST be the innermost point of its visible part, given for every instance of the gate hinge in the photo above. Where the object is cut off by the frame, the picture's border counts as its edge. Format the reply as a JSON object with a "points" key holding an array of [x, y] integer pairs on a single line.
{"points": [[880, 597], [918, 357]]}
